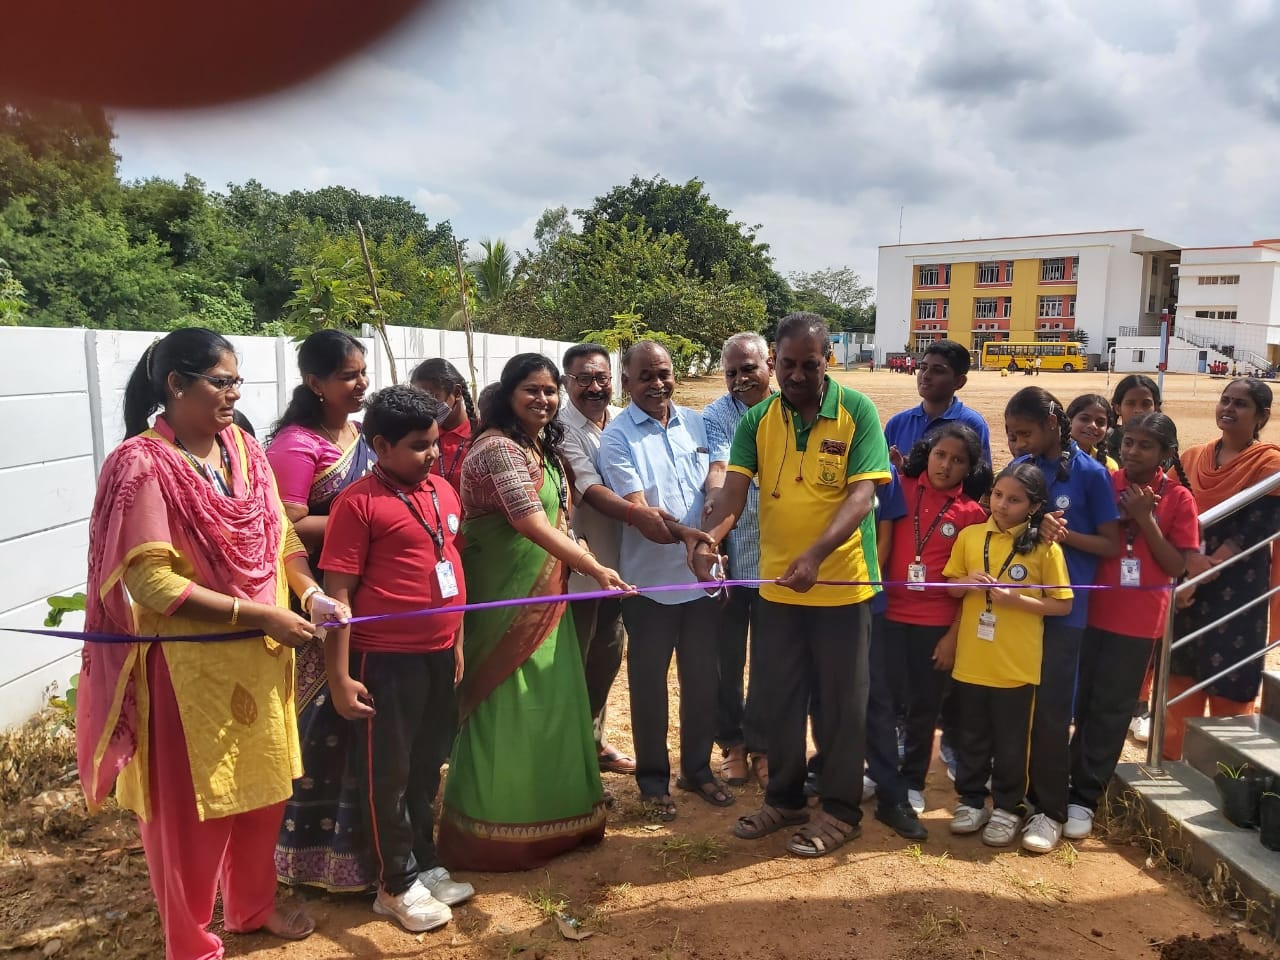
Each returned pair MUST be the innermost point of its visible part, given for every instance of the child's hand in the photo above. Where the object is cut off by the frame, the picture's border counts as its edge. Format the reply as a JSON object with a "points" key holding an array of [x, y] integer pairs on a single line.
{"points": [[1053, 528], [944, 654], [1005, 596], [458, 663], [1138, 501], [351, 699]]}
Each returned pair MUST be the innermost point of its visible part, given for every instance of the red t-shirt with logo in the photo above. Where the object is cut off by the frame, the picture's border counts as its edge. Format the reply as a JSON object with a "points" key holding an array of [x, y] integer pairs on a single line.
{"points": [[373, 535], [933, 607], [1141, 613], [453, 450]]}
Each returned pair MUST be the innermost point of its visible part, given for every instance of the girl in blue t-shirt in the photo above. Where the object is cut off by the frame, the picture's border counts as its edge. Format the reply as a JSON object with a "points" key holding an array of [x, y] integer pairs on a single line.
{"points": [[1039, 431]]}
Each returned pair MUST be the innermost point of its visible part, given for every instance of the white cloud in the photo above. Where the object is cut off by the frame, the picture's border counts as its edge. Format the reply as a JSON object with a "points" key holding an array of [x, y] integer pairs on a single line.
{"points": [[817, 120]]}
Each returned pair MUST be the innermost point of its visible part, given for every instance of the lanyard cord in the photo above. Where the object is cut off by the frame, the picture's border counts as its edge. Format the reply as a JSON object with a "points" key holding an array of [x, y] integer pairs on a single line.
{"points": [[453, 464], [437, 533], [986, 562], [1131, 527], [920, 543], [215, 477]]}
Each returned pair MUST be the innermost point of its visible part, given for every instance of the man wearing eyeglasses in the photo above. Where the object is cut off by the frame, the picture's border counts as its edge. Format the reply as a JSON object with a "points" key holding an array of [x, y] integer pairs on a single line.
{"points": [[598, 517]]}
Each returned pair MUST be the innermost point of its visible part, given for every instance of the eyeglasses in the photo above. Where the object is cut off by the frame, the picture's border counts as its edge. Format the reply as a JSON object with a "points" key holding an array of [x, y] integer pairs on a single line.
{"points": [[221, 384], [587, 379]]}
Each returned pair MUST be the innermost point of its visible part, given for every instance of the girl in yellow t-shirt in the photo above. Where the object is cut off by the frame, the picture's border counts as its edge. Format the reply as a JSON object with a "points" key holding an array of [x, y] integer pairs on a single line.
{"points": [[998, 649]]}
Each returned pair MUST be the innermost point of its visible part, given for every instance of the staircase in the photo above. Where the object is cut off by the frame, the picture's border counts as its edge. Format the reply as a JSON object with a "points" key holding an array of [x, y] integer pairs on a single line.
{"points": [[1259, 361], [1180, 809]]}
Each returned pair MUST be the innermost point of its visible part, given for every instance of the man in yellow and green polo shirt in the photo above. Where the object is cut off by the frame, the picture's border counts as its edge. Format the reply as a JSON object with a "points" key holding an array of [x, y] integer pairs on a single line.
{"points": [[819, 452]]}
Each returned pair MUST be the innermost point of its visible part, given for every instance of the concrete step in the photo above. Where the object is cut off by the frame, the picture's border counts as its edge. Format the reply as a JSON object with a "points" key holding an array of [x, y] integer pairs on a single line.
{"points": [[1233, 740], [1180, 810], [1271, 695]]}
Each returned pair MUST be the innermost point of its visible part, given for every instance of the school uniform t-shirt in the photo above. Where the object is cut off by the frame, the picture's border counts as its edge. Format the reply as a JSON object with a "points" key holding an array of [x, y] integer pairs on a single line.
{"points": [[931, 607], [1089, 502], [453, 447], [1141, 613], [373, 535], [890, 507], [1013, 657]]}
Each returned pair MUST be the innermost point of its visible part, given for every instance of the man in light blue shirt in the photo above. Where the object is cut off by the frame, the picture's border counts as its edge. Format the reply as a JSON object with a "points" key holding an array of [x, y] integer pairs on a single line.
{"points": [[748, 380], [655, 454]]}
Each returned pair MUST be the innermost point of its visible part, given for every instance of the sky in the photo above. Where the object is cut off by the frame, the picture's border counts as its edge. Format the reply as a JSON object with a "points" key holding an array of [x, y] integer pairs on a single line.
{"points": [[827, 122]]}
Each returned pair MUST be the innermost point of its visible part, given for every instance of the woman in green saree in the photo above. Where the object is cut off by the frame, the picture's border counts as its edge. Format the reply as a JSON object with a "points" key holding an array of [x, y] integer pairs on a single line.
{"points": [[524, 781]]}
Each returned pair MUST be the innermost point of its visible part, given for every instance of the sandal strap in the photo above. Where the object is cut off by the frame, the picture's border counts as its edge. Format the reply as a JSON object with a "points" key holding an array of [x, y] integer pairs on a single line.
{"points": [[824, 831]]}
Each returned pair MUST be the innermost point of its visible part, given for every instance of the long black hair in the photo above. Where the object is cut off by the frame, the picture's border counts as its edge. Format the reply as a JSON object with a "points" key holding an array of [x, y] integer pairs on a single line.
{"points": [[1032, 480], [440, 371], [501, 416], [977, 482], [322, 355], [1164, 430], [1039, 405], [186, 352], [1084, 402], [1133, 381]]}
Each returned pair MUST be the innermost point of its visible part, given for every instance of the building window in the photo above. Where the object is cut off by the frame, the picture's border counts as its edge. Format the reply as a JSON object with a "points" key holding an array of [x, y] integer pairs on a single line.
{"points": [[986, 308], [1139, 356], [1008, 272], [1215, 314], [935, 275], [926, 309], [922, 343], [1071, 307], [1075, 267], [989, 272], [1050, 306], [1226, 279], [1047, 337], [1058, 269]]}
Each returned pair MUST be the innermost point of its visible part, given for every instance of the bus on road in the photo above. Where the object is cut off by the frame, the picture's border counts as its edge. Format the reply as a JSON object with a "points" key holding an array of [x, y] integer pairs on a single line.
{"points": [[1068, 357]]}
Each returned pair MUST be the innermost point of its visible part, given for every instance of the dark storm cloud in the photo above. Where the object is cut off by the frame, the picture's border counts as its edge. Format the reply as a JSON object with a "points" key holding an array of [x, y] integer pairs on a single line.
{"points": [[979, 74], [1241, 55], [1072, 118]]}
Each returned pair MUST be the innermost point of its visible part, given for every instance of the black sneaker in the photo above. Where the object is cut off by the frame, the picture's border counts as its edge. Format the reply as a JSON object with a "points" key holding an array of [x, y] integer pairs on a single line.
{"points": [[902, 820]]}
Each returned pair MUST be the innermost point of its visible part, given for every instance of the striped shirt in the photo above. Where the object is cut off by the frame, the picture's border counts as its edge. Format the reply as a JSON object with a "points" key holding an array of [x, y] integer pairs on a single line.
{"points": [[721, 418]]}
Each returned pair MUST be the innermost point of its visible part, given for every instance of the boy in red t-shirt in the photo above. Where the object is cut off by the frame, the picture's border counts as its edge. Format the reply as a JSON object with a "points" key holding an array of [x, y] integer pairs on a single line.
{"points": [[389, 548]]}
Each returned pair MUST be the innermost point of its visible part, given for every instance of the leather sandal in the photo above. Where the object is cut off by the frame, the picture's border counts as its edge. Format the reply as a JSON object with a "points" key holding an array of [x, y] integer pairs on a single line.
{"points": [[766, 820], [710, 791], [661, 808], [822, 834], [613, 761], [733, 765]]}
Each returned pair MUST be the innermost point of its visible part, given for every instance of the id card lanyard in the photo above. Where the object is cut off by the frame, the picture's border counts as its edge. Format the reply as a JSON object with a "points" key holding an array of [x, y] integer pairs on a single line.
{"points": [[446, 577], [1130, 565], [987, 619], [916, 574]]}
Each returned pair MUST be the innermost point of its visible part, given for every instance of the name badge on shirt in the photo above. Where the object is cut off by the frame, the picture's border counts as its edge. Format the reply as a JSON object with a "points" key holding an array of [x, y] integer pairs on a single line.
{"points": [[915, 575], [1130, 572], [986, 625], [445, 579]]}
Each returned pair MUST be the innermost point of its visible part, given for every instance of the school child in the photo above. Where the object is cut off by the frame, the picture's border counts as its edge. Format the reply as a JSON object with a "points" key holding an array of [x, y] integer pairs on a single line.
{"points": [[998, 649], [943, 479], [1133, 396], [390, 548], [1159, 530], [1090, 417], [1080, 487], [441, 379]]}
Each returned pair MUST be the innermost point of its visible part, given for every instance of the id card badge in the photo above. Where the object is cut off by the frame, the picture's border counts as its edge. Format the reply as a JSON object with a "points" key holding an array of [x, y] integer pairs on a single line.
{"points": [[1130, 572], [915, 576], [987, 626], [446, 580]]}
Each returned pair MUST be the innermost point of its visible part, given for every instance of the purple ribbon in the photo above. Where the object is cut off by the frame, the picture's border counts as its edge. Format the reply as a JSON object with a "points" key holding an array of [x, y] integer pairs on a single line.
{"points": [[715, 585]]}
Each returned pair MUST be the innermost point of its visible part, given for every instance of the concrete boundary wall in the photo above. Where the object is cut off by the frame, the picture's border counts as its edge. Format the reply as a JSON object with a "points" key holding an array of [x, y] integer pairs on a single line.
{"points": [[61, 413]]}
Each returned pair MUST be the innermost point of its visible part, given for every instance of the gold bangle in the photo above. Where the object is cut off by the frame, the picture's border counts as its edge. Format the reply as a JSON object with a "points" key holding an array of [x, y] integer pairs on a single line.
{"points": [[235, 610], [585, 554]]}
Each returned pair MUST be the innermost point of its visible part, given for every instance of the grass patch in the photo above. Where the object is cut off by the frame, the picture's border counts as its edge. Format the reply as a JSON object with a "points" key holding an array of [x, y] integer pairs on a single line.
{"points": [[1066, 855], [676, 855], [934, 927], [547, 900]]}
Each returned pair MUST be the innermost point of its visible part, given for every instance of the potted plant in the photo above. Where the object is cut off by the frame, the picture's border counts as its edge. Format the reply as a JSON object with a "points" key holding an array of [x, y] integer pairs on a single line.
{"points": [[1269, 819], [1240, 788]]}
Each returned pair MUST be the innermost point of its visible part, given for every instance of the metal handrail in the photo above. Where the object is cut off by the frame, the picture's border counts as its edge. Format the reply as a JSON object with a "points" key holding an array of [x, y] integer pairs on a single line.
{"points": [[1160, 685], [1223, 619]]}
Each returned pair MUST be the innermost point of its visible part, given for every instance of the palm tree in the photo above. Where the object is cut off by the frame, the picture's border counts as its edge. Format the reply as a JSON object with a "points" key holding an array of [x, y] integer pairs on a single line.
{"points": [[493, 272]]}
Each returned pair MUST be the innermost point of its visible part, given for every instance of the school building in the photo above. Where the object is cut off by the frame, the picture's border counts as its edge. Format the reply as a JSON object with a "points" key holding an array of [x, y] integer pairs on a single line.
{"points": [[1229, 302], [1081, 287]]}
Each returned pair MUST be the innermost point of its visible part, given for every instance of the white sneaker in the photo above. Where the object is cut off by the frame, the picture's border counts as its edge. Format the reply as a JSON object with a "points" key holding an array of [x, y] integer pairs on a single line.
{"points": [[916, 799], [1041, 834], [1079, 822], [1001, 829], [1140, 727], [444, 888], [416, 909], [868, 788], [967, 819]]}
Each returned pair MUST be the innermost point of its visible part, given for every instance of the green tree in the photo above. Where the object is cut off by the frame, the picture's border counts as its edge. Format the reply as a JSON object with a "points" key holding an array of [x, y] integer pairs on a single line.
{"points": [[54, 154], [492, 271], [836, 293], [13, 297], [333, 291], [712, 235]]}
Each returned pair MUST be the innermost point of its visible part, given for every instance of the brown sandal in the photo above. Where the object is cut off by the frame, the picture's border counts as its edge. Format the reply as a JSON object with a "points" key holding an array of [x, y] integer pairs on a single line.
{"points": [[661, 808], [733, 766], [760, 767], [822, 834], [766, 820]]}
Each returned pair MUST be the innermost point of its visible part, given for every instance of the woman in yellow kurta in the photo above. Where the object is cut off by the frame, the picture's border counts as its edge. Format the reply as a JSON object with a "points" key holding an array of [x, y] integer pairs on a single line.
{"points": [[188, 537]]}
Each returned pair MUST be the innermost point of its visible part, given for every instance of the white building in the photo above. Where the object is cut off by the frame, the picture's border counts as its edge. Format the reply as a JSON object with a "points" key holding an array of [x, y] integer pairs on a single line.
{"points": [[1229, 302], [1051, 287]]}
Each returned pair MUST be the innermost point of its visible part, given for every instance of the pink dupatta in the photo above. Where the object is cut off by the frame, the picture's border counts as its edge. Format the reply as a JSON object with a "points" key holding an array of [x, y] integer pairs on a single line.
{"points": [[149, 497]]}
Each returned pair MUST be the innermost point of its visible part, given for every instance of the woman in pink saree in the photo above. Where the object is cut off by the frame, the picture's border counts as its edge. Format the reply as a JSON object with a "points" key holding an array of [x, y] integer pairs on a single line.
{"points": [[188, 537]]}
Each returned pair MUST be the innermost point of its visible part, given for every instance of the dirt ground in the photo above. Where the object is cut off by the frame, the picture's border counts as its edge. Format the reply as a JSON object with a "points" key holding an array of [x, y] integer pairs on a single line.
{"points": [[75, 887]]}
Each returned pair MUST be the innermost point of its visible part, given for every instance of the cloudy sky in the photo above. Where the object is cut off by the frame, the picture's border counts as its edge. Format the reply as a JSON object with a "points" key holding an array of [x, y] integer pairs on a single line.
{"points": [[819, 120]]}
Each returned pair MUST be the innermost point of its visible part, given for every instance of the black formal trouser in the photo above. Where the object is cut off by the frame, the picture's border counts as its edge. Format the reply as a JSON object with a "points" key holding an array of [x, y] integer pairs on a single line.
{"points": [[990, 740], [1111, 671], [803, 651], [882, 719], [910, 649], [656, 630], [398, 752], [600, 639], [1051, 725], [735, 714]]}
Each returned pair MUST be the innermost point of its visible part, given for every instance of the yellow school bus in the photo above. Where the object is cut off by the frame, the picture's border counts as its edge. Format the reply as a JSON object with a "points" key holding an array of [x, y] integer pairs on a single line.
{"points": [[998, 354]]}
